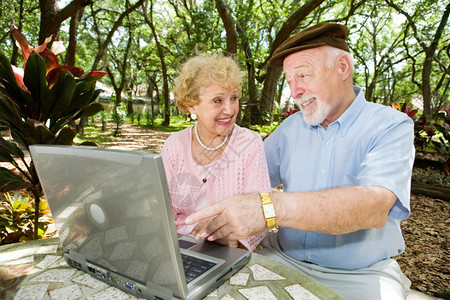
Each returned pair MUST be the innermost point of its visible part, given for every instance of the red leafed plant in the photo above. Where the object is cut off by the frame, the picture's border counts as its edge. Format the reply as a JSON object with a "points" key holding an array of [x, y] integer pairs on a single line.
{"points": [[37, 103], [406, 108]]}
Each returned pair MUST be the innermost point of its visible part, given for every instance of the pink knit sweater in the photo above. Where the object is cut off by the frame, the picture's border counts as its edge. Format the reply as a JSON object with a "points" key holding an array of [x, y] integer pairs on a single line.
{"points": [[242, 168]]}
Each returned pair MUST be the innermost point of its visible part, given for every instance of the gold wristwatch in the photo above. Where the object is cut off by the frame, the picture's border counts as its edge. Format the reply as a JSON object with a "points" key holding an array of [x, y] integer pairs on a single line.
{"points": [[268, 210]]}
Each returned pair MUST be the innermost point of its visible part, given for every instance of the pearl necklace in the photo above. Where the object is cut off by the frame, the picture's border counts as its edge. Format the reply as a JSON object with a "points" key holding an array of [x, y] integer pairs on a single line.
{"points": [[208, 148]]}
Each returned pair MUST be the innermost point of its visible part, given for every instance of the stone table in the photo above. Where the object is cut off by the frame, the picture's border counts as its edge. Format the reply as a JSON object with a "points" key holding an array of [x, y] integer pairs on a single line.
{"points": [[37, 270]]}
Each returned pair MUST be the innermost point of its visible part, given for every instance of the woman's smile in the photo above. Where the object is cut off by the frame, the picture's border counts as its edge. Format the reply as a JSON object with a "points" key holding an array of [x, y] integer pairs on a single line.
{"points": [[224, 121]]}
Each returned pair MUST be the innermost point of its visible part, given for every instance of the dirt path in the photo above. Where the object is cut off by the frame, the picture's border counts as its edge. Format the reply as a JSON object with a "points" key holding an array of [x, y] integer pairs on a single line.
{"points": [[138, 138]]}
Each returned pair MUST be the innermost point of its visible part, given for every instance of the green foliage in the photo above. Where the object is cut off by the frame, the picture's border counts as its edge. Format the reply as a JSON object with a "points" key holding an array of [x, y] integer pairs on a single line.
{"points": [[138, 117], [149, 117], [176, 123], [430, 176], [433, 133], [119, 115], [389, 52], [265, 116], [104, 119], [94, 134], [430, 134], [135, 117], [132, 117], [265, 130], [10, 14], [17, 214], [442, 145]]}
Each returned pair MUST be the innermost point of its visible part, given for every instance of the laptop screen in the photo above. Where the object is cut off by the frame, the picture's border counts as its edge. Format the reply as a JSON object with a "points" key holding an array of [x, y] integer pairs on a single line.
{"points": [[112, 209]]}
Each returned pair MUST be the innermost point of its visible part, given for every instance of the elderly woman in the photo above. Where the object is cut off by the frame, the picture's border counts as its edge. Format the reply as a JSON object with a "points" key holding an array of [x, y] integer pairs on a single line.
{"points": [[215, 158]]}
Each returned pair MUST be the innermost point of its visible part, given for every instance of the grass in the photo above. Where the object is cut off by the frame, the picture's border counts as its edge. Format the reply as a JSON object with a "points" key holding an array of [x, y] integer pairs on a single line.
{"points": [[177, 123]]}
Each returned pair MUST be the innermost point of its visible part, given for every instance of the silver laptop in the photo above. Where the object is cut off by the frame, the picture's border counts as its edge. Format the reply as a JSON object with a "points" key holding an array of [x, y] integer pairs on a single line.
{"points": [[115, 222]]}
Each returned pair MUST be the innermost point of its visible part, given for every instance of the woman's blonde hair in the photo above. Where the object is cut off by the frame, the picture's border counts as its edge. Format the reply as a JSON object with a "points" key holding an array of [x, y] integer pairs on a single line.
{"points": [[201, 71]]}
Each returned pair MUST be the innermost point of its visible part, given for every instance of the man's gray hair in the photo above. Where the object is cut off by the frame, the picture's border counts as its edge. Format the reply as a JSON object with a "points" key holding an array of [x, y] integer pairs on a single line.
{"points": [[333, 53]]}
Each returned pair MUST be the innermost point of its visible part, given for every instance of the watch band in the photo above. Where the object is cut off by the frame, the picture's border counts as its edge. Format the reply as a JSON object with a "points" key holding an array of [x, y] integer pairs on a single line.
{"points": [[268, 210]]}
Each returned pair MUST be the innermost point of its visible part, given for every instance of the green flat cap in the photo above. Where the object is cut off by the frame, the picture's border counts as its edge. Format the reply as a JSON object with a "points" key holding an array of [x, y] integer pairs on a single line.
{"points": [[318, 35]]}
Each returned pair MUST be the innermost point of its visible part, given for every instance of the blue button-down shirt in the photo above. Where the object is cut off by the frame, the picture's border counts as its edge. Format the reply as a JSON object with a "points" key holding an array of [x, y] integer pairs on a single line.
{"points": [[369, 145]]}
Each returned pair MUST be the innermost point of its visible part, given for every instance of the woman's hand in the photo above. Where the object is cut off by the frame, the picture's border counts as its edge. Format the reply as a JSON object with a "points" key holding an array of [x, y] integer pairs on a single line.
{"points": [[175, 217]]}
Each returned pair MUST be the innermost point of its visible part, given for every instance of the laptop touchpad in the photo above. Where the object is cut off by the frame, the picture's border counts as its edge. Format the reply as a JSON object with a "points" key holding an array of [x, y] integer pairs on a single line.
{"points": [[185, 244]]}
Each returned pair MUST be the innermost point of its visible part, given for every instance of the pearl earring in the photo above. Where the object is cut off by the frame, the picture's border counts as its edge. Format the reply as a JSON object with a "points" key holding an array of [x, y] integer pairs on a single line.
{"points": [[193, 116]]}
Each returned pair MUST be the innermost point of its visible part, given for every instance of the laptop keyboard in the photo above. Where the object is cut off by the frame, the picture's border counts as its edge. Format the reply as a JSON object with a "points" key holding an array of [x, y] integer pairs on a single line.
{"points": [[194, 266]]}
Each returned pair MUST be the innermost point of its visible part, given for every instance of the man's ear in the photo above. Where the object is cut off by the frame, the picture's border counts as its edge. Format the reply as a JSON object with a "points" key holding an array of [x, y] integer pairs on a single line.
{"points": [[345, 66]]}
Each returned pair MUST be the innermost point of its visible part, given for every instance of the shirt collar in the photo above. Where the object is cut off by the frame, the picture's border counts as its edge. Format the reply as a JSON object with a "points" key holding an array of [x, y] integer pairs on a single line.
{"points": [[349, 116]]}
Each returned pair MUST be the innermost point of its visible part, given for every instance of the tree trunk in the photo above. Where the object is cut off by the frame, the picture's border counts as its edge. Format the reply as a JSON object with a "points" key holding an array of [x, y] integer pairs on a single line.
{"points": [[15, 52], [233, 29], [71, 49], [130, 109], [427, 66], [118, 92], [165, 91], [269, 94], [272, 76], [52, 16], [230, 26], [439, 192]]}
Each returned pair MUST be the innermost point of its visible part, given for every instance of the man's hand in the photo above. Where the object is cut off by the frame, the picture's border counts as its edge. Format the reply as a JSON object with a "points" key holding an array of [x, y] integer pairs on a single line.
{"points": [[234, 244], [224, 241], [235, 218]]}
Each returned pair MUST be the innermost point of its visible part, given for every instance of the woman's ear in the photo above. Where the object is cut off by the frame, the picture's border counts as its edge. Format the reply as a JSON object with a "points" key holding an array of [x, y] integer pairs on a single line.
{"points": [[191, 109]]}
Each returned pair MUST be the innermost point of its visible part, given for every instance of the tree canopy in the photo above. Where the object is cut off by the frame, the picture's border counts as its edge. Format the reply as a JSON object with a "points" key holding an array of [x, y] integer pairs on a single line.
{"points": [[400, 47]]}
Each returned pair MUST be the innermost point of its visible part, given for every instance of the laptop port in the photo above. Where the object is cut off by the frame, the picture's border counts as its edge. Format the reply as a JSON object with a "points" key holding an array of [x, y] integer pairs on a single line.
{"points": [[101, 275], [115, 279], [129, 286]]}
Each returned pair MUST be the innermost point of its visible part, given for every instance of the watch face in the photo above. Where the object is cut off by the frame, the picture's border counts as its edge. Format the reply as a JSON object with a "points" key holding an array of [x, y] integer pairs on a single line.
{"points": [[269, 211]]}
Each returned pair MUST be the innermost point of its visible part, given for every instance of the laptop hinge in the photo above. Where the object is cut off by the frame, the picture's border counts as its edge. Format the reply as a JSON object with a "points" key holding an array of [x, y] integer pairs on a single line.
{"points": [[159, 292]]}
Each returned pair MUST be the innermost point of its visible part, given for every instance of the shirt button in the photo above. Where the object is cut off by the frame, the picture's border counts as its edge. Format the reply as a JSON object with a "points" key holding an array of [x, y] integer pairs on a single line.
{"points": [[327, 143], [309, 256], [322, 171]]}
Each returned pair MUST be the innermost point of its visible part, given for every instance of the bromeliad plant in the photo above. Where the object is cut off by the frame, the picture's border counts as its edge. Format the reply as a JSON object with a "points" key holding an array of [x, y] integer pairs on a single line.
{"points": [[37, 102]]}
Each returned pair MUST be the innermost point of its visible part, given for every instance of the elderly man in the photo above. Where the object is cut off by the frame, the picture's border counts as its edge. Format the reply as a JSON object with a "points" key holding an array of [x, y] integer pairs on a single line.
{"points": [[345, 165]]}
